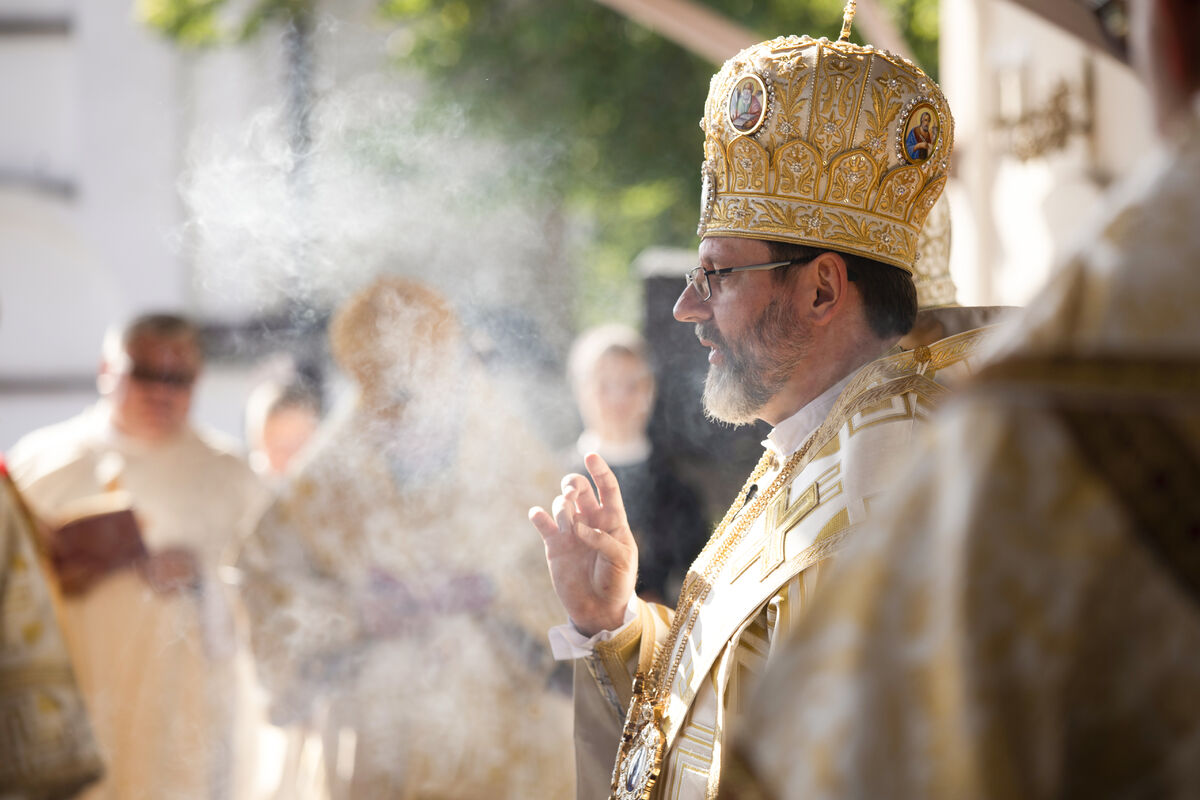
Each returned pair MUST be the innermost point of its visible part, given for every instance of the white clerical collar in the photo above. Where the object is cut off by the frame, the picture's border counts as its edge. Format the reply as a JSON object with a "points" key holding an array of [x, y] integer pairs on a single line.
{"points": [[617, 454], [787, 437]]}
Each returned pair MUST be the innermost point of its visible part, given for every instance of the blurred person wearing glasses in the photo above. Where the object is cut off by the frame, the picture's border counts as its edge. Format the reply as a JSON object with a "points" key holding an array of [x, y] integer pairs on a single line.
{"points": [[810, 217], [141, 507], [1024, 622]]}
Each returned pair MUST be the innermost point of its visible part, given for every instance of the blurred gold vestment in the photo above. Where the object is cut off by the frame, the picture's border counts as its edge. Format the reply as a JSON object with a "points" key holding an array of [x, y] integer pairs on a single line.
{"points": [[46, 742]]}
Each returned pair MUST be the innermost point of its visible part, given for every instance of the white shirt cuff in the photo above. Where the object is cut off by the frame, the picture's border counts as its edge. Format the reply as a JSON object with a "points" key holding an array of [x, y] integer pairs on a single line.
{"points": [[567, 643]]}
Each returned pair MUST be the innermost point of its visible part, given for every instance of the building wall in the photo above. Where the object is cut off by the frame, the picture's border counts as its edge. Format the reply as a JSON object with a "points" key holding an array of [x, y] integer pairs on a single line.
{"points": [[88, 150], [1014, 218], [136, 175]]}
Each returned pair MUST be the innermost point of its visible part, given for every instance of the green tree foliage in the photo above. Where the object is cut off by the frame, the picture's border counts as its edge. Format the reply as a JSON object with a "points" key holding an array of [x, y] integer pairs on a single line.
{"points": [[617, 105], [201, 23], [621, 104]]}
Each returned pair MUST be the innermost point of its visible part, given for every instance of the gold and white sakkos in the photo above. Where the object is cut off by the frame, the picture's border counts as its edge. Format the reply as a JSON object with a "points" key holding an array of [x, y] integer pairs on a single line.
{"points": [[827, 144]]}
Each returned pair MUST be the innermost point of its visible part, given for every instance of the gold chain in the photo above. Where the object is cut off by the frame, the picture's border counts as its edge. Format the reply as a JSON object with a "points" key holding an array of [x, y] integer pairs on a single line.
{"points": [[696, 587]]}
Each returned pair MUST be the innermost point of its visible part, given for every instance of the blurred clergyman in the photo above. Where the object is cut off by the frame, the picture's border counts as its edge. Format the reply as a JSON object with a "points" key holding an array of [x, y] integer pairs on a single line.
{"points": [[394, 598], [1025, 622], [614, 390], [142, 507], [809, 224]]}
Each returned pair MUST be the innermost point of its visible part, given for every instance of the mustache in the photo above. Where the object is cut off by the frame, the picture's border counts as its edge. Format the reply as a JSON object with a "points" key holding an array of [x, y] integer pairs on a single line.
{"points": [[707, 331]]}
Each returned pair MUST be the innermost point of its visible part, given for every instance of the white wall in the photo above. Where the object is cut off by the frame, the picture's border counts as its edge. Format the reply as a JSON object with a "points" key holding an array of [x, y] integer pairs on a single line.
{"points": [[85, 188], [98, 122], [1013, 220], [129, 136]]}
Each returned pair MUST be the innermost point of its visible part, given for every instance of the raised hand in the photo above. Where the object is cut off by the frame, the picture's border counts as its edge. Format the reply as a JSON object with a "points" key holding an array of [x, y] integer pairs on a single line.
{"points": [[590, 549]]}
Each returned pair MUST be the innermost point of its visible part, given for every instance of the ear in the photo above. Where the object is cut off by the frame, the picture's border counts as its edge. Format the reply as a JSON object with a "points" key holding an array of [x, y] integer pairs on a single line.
{"points": [[827, 287]]}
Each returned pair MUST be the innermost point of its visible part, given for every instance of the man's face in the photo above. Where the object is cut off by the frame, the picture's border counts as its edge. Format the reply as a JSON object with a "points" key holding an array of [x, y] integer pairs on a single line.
{"points": [[757, 337], [152, 391]]}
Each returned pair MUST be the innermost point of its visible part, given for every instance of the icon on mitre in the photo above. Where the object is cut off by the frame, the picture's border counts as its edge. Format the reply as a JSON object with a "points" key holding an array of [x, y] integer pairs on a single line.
{"points": [[747, 104]]}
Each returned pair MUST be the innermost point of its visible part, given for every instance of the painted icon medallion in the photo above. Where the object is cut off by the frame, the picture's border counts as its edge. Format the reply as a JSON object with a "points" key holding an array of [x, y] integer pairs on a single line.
{"points": [[918, 136], [748, 104]]}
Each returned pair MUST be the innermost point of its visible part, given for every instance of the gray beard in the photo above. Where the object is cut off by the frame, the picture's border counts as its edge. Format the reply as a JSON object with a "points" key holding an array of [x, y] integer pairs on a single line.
{"points": [[756, 370], [731, 398]]}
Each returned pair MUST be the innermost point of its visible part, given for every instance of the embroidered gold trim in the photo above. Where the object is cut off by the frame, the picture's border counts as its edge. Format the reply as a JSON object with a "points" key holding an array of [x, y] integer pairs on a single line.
{"points": [[697, 585], [782, 516], [614, 655]]}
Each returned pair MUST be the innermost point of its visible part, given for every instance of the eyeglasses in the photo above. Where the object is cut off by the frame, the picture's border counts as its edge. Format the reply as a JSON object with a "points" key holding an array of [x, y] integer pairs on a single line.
{"points": [[1113, 16], [697, 278], [173, 380]]}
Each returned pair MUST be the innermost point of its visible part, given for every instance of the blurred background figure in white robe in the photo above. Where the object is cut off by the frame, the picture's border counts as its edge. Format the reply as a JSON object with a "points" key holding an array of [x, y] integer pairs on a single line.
{"points": [[396, 598], [147, 623]]}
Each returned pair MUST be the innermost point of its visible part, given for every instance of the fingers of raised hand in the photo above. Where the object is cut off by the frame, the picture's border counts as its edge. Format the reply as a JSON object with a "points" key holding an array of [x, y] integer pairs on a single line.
{"points": [[579, 490], [606, 545], [608, 489], [606, 483], [542, 520], [564, 510]]}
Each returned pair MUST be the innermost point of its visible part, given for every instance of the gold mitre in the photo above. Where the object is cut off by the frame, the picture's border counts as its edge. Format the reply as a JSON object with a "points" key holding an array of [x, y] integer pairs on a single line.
{"points": [[826, 144], [394, 333]]}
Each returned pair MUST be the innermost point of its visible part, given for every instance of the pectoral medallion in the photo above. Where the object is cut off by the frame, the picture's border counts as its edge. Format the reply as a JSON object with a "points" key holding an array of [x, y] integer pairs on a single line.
{"points": [[639, 758]]}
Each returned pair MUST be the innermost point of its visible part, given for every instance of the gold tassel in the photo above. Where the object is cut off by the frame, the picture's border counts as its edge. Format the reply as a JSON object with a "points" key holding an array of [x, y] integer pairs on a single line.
{"points": [[847, 19]]}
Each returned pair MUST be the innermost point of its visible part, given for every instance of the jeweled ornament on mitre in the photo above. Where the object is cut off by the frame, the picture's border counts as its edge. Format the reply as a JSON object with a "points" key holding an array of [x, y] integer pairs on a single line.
{"points": [[827, 144]]}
